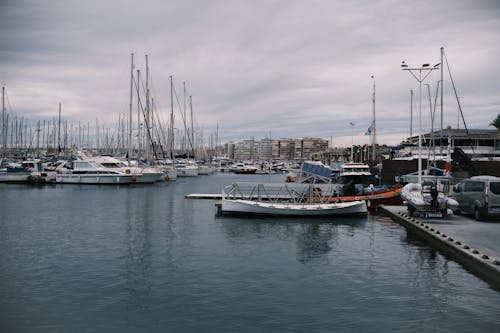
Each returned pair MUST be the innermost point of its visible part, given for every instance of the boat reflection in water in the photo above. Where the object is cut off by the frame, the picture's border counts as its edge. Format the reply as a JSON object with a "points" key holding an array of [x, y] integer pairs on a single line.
{"points": [[315, 237]]}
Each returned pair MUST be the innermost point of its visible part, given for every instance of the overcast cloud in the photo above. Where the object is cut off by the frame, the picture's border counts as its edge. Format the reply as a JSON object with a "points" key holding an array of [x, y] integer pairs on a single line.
{"points": [[256, 68]]}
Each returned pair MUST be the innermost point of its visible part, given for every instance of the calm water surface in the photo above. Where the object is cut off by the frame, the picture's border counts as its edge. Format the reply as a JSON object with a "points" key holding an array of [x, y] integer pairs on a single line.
{"points": [[144, 258]]}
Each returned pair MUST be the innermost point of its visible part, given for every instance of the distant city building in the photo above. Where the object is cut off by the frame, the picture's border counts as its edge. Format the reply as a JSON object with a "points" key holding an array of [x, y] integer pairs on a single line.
{"points": [[282, 149], [229, 150]]}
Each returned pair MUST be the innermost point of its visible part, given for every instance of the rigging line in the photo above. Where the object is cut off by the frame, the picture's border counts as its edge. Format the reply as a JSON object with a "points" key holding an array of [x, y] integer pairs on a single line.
{"points": [[157, 127], [160, 130], [458, 102], [433, 117], [144, 115], [183, 120]]}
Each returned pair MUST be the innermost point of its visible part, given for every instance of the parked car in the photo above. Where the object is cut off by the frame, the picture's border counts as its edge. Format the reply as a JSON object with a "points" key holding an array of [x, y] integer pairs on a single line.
{"points": [[478, 196]]}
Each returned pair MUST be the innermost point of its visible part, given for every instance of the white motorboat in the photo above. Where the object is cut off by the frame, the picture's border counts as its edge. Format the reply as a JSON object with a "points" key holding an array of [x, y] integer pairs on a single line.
{"points": [[427, 198], [169, 173], [88, 172], [186, 169], [29, 171], [204, 169], [243, 168], [146, 175], [293, 209]]}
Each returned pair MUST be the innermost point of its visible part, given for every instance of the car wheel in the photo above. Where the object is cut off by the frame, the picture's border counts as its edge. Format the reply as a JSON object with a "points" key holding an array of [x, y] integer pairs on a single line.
{"points": [[477, 214]]}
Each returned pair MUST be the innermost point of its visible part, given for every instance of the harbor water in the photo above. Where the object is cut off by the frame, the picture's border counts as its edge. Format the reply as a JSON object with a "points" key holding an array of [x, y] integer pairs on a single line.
{"points": [[143, 258]]}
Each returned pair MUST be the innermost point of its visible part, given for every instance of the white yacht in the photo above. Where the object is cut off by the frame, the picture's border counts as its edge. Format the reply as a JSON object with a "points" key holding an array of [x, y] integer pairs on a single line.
{"points": [[29, 171], [88, 172], [146, 175], [186, 169]]}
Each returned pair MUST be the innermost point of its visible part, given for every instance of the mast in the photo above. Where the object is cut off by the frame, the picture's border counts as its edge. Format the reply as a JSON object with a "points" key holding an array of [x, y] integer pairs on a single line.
{"points": [[147, 118], [139, 129], [171, 138], [185, 137], [442, 91], [129, 155], [4, 124], [216, 139], [192, 129], [411, 113], [59, 130], [374, 137], [38, 138]]}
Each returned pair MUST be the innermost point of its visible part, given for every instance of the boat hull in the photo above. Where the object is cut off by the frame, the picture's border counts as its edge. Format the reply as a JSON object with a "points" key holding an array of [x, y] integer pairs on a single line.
{"points": [[95, 179], [148, 178], [417, 201], [187, 172], [14, 177], [289, 209], [389, 197], [170, 174]]}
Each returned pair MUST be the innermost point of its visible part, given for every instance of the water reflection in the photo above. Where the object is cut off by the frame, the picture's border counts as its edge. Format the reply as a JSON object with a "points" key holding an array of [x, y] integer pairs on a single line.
{"points": [[314, 238], [138, 246]]}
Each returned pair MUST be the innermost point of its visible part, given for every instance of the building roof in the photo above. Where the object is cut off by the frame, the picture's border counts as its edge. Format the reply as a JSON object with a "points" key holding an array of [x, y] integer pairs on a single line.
{"points": [[462, 133]]}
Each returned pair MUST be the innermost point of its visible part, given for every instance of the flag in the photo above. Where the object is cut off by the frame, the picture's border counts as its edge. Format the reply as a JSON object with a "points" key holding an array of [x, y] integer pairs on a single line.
{"points": [[369, 130]]}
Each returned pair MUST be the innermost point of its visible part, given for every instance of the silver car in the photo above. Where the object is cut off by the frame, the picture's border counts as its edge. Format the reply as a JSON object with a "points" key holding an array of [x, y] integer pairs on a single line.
{"points": [[478, 196]]}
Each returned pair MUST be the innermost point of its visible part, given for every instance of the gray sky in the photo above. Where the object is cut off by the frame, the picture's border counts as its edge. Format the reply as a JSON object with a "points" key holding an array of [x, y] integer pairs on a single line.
{"points": [[256, 68]]}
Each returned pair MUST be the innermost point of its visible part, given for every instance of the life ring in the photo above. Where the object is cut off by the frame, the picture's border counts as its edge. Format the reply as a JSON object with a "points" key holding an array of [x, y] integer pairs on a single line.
{"points": [[167, 178]]}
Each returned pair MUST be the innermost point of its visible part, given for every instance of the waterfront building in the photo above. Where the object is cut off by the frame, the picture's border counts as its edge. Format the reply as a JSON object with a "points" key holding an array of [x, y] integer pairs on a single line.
{"points": [[479, 144]]}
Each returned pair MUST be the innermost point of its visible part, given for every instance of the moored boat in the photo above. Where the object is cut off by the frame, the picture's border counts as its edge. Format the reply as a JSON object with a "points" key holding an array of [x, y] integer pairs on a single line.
{"points": [[29, 171], [286, 199], [293, 209], [426, 198], [243, 168], [87, 172], [354, 181], [143, 175], [186, 169]]}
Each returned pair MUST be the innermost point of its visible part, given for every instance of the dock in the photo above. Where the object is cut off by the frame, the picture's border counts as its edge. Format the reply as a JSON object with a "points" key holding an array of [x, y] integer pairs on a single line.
{"points": [[209, 196], [474, 244]]}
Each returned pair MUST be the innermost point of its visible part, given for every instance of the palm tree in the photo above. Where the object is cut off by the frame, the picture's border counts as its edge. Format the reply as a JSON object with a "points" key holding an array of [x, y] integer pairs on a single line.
{"points": [[496, 122]]}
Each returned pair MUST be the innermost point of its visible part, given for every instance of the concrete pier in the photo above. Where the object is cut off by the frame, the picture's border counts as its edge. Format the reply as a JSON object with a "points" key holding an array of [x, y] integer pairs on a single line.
{"points": [[475, 245]]}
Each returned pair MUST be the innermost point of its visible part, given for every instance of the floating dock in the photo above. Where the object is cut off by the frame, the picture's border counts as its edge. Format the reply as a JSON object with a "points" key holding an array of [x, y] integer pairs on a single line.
{"points": [[473, 244], [204, 196]]}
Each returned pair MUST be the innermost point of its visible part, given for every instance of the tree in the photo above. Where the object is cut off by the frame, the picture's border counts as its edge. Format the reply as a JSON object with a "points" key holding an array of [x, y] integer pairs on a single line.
{"points": [[496, 122]]}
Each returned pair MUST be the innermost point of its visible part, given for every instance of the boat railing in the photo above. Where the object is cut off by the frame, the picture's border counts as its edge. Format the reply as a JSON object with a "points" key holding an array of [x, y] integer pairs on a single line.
{"points": [[282, 192]]}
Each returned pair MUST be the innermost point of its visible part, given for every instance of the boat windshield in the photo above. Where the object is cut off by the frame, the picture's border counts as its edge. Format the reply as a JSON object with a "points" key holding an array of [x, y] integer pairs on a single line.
{"points": [[358, 179]]}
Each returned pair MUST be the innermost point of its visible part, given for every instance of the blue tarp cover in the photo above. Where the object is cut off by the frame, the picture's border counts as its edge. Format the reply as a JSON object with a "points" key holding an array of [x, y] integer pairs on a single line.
{"points": [[319, 170]]}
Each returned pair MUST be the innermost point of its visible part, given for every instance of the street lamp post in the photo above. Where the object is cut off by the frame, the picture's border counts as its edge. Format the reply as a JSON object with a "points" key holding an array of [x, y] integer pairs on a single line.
{"points": [[423, 72]]}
